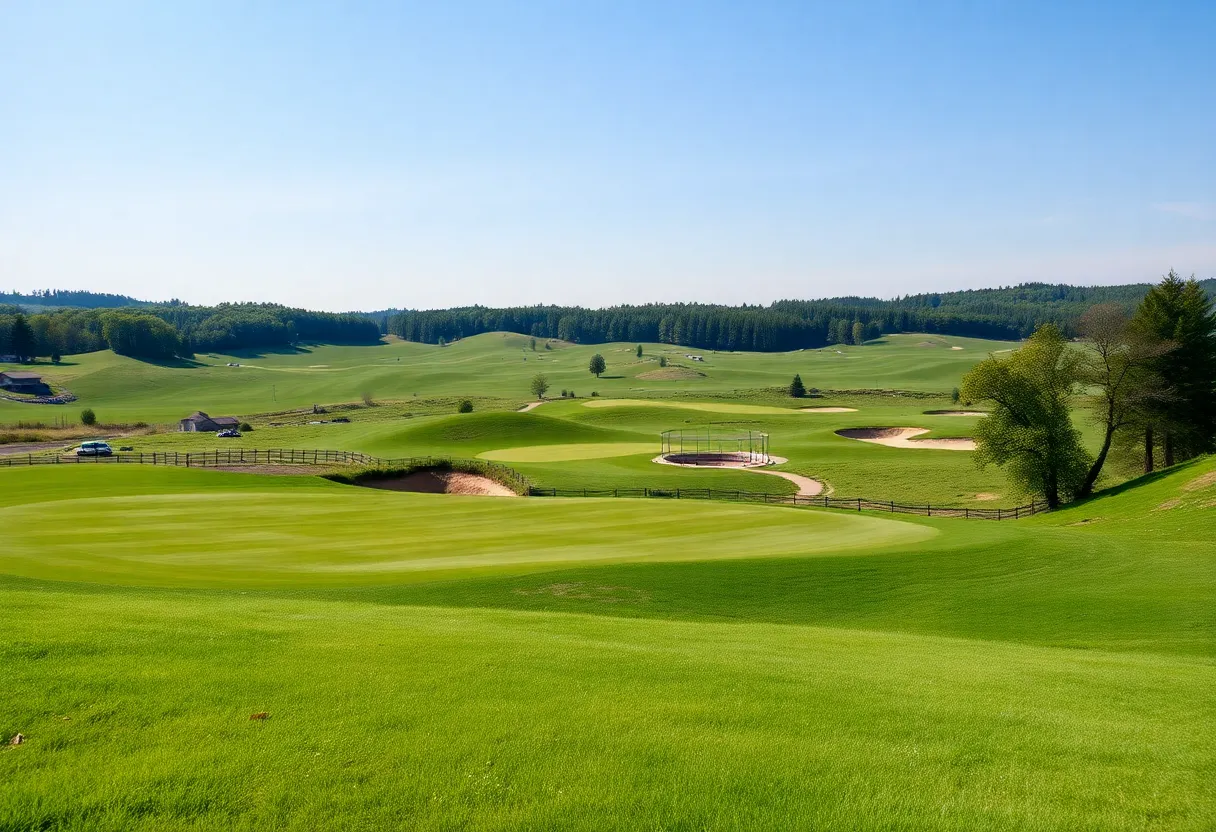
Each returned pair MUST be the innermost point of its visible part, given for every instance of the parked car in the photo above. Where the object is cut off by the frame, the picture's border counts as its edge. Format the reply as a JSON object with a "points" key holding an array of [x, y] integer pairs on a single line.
{"points": [[94, 449], [229, 433]]}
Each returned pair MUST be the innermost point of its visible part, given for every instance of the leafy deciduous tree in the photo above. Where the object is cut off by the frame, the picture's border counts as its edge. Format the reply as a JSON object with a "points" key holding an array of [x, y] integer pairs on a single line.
{"points": [[1029, 431], [597, 364]]}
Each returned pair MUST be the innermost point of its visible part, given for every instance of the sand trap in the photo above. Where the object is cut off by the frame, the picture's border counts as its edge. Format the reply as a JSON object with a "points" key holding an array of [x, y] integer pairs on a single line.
{"points": [[956, 413], [956, 348], [807, 487], [827, 410], [902, 438], [443, 482]]}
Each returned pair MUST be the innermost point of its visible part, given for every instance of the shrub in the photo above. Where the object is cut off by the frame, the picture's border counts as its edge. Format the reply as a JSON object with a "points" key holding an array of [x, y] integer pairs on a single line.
{"points": [[563, 393], [466, 406], [954, 395], [593, 393], [244, 427], [662, 361], [88, 417]]}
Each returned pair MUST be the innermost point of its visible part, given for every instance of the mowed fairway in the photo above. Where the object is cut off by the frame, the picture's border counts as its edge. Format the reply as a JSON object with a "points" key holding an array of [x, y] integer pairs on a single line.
{"points": [[179, 528], [628, 670]]}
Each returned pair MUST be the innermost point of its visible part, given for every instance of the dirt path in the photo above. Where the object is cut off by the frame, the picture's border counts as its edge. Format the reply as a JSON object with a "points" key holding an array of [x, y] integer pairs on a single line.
{"points": [[529, 406], [35, 447], [807, 487], [903, 438]]}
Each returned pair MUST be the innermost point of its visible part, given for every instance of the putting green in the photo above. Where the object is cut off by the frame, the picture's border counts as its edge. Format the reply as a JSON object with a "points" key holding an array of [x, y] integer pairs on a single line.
{"points": [[710, 407], [564, 453], [234, 529]]}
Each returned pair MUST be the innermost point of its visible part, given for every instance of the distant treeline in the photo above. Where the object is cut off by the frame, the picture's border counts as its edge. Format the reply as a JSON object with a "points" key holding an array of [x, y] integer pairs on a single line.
{"points": [[1009, 313], [162, 332], [54, 298]]}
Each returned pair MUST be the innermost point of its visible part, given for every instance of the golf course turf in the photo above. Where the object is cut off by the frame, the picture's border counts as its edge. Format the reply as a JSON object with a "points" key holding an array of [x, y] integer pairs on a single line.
{"points": [[431, 661]]}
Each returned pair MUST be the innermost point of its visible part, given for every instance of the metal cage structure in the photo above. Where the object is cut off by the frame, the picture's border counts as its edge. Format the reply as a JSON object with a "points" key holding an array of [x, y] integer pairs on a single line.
{"points": [[715, 445]]}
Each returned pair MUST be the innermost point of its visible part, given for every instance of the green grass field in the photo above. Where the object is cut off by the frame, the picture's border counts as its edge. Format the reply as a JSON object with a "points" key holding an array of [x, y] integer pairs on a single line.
{"points": [[640, 666], [492, 365], [446, 662]]}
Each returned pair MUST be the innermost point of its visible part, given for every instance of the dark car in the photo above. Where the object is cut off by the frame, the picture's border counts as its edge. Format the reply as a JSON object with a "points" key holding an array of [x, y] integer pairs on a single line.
{"points": [[229, 433]]}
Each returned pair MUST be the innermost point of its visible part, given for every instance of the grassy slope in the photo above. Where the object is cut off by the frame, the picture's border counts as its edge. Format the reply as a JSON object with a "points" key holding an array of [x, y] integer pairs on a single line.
{"points": [[1049, 674], [125, 390]]}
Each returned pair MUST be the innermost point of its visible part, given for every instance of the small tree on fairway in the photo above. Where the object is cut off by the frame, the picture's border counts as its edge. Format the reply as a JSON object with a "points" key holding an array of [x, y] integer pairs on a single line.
{"points": [[1029, 431], [466, 406], [662, 361], [797, 388], [540, 385], [639, 350], [955, 396], [597, 364], [88, 417]]}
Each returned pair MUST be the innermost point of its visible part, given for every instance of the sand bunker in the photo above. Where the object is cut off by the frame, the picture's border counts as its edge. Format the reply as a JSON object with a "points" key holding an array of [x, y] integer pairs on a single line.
{"points": [[443, 482], [902, 438], [956, 413], [807, 487], [827, 409]]}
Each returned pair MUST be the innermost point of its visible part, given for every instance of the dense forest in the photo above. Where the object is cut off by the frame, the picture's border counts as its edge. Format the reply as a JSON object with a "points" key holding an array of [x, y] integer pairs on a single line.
{"points": [[161, 332], [77, 298], [178, 329], [1007, 313]]}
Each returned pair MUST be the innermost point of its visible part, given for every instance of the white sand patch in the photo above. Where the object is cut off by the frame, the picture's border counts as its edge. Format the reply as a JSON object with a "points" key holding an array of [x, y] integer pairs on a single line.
{"points": [[827, 410], [956, 348], [903, 438], [443, 482]]}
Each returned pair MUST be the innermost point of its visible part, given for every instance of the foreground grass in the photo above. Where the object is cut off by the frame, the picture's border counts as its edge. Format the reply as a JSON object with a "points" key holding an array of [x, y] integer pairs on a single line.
{"points": [[1056, 673], [137, 707]]}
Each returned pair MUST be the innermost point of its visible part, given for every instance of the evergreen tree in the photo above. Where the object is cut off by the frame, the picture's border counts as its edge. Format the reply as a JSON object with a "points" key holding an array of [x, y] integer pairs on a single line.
{"points": [[797, 390]]}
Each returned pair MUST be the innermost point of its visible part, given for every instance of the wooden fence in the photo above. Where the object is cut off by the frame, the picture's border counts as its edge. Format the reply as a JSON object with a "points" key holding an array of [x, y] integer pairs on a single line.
{"points": [[283, 456]]}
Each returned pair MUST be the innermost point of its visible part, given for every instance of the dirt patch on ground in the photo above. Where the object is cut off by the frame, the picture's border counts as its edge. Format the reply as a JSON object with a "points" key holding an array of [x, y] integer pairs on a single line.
{"points": [[827, 410], [985, 496], [956, 413], [670, 374], [903, 438], [529, 406], [33, 448], [580, 591], [443, 482], [1206, 481], [1169, 504]]}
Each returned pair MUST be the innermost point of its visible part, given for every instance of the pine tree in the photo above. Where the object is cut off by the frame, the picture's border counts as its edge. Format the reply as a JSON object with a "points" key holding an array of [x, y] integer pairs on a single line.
{"points": [[797, 389]]}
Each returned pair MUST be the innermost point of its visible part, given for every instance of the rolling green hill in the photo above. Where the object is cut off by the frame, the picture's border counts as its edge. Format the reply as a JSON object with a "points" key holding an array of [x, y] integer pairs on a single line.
{"points": [[492, 365], [596, 663]]}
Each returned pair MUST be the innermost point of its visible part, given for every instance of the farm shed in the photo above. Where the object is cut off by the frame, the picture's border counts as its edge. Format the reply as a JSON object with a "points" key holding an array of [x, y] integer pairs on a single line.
{"points": [[201, 422], [23, 382]]}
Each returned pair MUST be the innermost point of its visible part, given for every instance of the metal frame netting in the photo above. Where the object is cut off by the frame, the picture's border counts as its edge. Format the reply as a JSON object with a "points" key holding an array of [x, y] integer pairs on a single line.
{"points": [[715, 445]]}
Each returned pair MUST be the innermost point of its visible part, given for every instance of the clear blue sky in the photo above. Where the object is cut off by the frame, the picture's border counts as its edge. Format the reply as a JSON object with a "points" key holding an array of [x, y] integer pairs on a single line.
{"points": [[363, 155]]}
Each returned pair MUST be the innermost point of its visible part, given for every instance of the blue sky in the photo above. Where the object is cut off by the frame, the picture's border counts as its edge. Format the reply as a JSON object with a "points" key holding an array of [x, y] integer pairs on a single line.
{"points": [[364, 155]]}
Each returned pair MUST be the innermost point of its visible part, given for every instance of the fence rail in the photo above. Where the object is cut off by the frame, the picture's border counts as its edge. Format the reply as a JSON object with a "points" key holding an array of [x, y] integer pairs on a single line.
{"points": [[850, 503], [286, 456]]}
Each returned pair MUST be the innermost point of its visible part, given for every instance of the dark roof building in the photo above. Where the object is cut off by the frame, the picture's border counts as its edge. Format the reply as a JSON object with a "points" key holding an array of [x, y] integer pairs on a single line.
{"points": [[201, 422], [15, 381]]}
